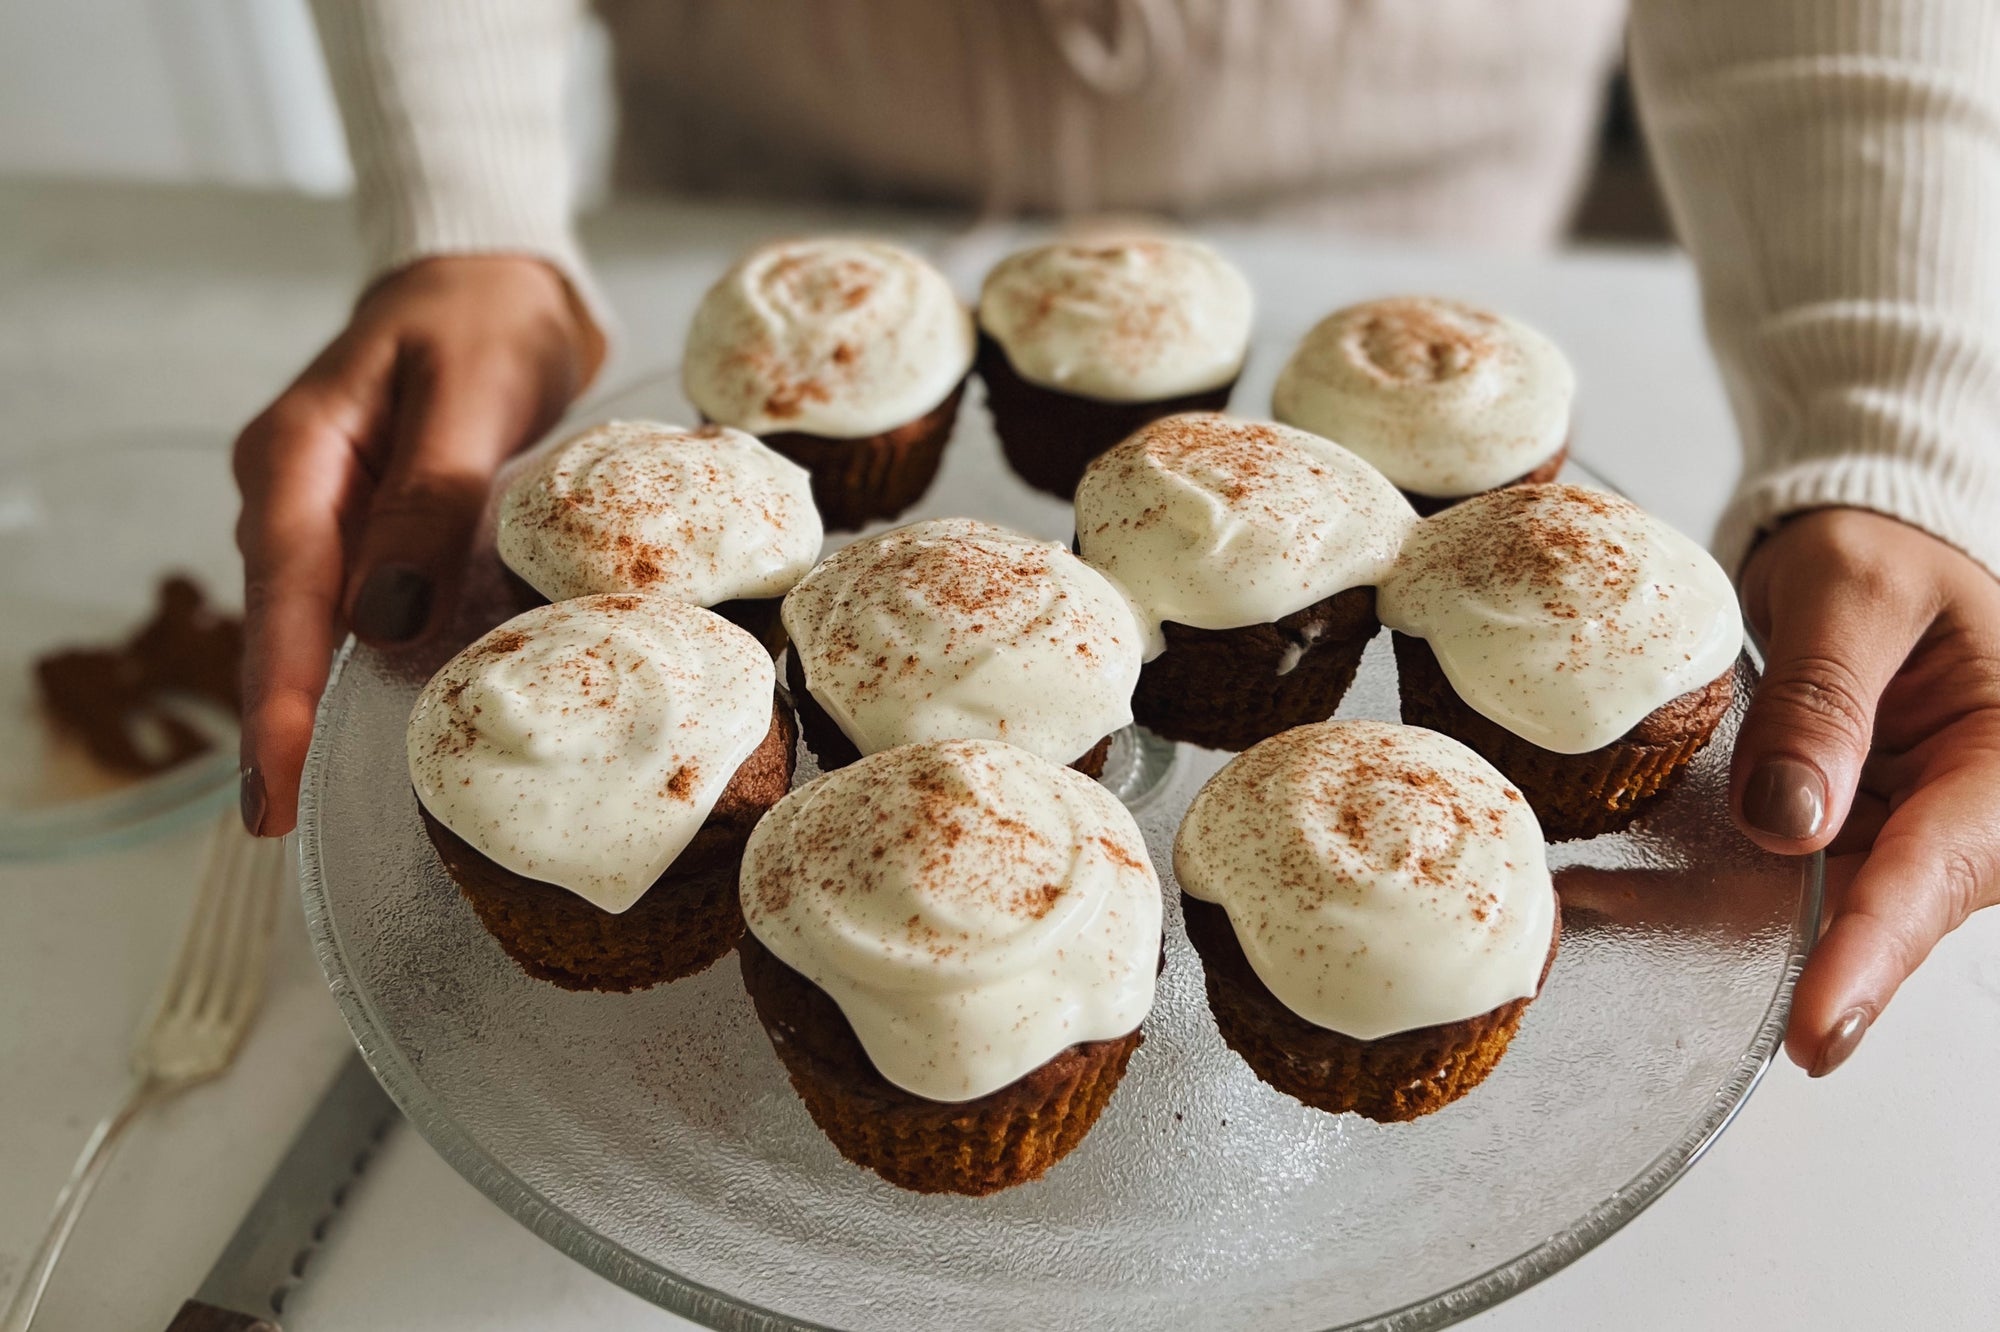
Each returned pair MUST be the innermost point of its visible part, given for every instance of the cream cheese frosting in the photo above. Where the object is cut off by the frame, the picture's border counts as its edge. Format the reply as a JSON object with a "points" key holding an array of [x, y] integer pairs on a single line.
{"points": [[703, 516], [955, 629], [839, 336], [1445, 398], [973, 909], [1380, 878], [1561, 613], [584, 743], [1216, 523], [1120, 318]]}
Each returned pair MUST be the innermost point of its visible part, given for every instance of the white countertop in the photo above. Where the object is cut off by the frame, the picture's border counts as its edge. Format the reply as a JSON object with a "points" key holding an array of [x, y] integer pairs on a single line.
{"points": [[1867, 1200]]}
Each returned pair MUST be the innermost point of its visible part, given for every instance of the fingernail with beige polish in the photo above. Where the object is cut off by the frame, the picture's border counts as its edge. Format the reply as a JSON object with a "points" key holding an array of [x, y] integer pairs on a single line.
{"points": [[250, 799], [1841, 1041], [1785, 798]]}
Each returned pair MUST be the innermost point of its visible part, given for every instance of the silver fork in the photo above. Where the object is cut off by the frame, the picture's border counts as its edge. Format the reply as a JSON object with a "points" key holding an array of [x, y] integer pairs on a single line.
{"points": [[197, 1024]]}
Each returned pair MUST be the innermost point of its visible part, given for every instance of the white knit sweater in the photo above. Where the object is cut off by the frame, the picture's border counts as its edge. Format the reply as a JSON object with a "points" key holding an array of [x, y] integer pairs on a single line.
{"points": [[1833, 165]]}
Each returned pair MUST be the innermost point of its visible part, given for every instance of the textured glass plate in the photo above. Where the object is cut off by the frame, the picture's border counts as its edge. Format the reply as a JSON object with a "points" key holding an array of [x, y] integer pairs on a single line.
{"points": [[654, 1137]]}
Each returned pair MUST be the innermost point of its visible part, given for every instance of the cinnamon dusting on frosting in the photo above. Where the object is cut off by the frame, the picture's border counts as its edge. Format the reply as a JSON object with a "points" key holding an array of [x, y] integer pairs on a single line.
{"points": [[973, 909], [1445, 398], [1125, 319], [503, 641], [705, 515], [1380, 878], [585, 742], [1132, 328], [1563, 613], [956, 628], [1234, 455], [1215, 522], [837, 337], [1411, 341], [812, 290]]}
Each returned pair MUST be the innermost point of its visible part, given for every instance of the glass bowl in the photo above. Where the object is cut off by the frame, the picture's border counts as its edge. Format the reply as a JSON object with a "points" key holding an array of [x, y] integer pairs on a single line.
{"points": [[654, 1137], [87, 530]]}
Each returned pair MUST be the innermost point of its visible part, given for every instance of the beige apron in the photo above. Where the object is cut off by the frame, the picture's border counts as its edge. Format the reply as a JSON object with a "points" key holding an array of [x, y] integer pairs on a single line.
{"points": [[1462, 119]]}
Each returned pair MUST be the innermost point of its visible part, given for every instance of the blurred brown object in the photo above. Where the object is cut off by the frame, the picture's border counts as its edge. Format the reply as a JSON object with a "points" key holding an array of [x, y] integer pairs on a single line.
{"points": [[1621, 199], [118, 702]]}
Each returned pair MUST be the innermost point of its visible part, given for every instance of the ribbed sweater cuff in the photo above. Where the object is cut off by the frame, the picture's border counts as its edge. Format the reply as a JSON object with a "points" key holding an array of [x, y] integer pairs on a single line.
{"points": [[454, 117], [1907, 489], [1834, 167]]}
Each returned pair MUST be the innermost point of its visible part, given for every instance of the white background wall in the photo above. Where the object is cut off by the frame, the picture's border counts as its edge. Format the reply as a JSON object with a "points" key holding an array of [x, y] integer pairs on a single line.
{"points": [[176, 90], [230, 91]]}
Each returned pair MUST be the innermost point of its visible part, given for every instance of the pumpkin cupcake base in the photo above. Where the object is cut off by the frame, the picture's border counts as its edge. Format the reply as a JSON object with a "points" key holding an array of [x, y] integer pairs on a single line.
{"points": [[691, 916], [1392, 1079], [1230, 688], [1574, 795], [975, 1147], [859, 481], [1049, 437]]}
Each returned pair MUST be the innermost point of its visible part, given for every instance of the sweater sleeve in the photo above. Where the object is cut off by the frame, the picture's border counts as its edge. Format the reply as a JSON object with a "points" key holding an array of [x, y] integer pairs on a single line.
{"points": [[454, 118], [1834, 167]]}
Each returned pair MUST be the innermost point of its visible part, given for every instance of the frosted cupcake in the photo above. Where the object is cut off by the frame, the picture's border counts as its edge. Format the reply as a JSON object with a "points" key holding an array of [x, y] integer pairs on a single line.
{"points": [[1373, 913], [1083, 341], [951, 947], [589, 773], [846, 355], [1446, 399], [710, 517], [1583, 646], [958, 629], [1251, 552]]}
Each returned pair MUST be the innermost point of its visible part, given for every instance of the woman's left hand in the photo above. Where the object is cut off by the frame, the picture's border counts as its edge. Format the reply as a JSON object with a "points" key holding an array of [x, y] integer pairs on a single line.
{"points": [[1875, 733]]}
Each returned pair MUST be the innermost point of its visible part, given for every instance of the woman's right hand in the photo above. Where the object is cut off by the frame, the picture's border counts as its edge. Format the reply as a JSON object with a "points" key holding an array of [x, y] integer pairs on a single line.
{"points": [[363, 482]]}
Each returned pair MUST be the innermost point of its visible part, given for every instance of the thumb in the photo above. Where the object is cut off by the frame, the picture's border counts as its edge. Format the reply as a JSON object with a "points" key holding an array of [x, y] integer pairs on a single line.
{"points": [[1834, 642], [453, 425]]}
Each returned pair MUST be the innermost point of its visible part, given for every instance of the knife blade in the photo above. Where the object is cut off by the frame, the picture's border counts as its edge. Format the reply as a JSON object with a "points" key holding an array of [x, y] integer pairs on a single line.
{"points": [[246, 1289]]}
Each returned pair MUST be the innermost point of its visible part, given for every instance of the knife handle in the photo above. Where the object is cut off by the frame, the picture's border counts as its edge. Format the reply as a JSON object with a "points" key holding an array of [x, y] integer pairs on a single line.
{"points": [[198, 1317]]}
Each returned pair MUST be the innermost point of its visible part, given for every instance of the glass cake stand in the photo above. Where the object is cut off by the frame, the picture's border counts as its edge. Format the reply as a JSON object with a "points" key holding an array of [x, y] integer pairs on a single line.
{"points": [[654, 1138]]}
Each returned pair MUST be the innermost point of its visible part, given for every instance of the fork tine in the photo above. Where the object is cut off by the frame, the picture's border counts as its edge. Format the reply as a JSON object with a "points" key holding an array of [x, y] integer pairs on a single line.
{"points": [[218, 981], [236, 948], [190, 965], [228, 905], [243, 985], [268, 874], [197, 1023]]}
